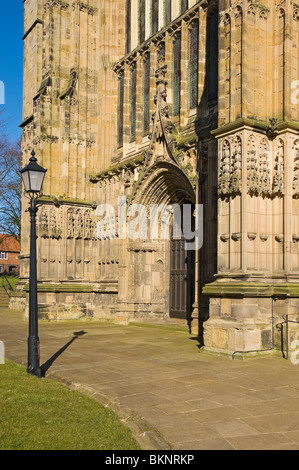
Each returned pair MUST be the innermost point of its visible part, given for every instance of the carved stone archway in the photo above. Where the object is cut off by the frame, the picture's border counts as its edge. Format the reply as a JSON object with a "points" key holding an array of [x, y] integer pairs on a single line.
{"points": [[145, 284]]}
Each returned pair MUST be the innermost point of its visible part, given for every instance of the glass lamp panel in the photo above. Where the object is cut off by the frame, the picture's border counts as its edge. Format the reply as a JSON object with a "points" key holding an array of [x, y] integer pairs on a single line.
{"points": [[25, 178], [36, 180]]}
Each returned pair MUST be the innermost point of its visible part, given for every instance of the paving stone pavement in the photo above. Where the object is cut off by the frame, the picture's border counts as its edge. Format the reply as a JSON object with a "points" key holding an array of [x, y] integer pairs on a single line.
{"points": [[171, 394]]}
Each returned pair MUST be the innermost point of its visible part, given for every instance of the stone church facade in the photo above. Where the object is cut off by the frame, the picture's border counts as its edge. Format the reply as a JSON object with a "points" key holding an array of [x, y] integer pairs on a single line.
{"points": [[166, 102]]}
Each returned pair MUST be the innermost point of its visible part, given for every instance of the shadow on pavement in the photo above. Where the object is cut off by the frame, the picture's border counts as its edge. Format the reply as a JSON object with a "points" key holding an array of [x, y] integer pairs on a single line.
{"points": [[46, 366]]}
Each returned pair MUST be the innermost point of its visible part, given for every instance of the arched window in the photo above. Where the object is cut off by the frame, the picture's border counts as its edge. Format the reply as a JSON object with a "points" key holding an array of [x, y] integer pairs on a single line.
{"points": [[155, 16], [161, 51], [184, 5], [141, 21], [133, 101], [146, 84], [167, 11], [120, 120], [212, 55], [128, 26], [193, 66], [177, 74]]}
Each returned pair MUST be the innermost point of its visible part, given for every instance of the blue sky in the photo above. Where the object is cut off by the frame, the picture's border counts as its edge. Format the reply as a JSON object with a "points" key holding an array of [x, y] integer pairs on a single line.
{"points": [[11, 64]]}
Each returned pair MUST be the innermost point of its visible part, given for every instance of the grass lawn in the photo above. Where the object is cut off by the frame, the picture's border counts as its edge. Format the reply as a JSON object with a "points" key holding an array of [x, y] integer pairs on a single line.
{"points": [[13, 280], [40, 414]]}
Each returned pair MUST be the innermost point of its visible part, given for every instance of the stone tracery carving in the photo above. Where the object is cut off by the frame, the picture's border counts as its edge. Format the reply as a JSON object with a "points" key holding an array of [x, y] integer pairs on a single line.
{"points": [[278, 183], [44, 228], [236, 177], [79, 225], [225, 169], [230, 175], [48, 224], [55, 231], [70, 224], [264, 169], [88, 226], [252, 166], [258, 168], [296, 169], [255, 7]]}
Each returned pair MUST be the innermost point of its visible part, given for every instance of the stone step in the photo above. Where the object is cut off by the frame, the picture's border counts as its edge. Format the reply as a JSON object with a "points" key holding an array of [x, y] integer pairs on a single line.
{"points": [[4, 298]]}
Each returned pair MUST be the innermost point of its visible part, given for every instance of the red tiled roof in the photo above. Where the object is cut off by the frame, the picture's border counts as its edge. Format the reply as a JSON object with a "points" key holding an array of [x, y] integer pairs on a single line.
{"points": [[9, 244]]}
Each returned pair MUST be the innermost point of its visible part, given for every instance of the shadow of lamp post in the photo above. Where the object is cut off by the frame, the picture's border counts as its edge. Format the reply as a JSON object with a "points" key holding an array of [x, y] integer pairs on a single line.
{"points": [[33, 176]]}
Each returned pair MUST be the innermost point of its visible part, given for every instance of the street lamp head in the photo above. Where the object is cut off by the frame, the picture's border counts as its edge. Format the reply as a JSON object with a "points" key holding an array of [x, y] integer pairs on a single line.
{"points": [[33, 176]]}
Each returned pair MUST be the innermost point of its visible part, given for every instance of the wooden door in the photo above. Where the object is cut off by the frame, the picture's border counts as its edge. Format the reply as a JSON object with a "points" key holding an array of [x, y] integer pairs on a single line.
{"points": [[182, 287]]}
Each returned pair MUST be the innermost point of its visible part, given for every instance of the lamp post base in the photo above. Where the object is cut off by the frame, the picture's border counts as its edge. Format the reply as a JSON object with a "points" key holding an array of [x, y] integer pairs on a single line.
{"points": [[34, 357], [37, 372]]}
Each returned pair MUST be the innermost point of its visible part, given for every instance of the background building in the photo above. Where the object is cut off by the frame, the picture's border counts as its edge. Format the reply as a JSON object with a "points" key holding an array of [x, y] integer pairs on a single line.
{"points": [[166, 102], [9, 254]]}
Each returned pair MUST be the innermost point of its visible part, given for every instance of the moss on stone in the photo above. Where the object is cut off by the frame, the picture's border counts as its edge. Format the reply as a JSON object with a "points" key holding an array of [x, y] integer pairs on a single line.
{"points": [[258, 289]]}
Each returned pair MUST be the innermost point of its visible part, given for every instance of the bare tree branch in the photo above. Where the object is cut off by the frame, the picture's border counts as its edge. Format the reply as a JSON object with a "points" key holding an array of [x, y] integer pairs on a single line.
{"points": [[10, 185]]}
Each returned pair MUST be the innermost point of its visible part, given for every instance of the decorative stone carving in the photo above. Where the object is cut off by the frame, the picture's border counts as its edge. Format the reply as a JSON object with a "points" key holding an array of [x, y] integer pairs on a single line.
{"points": [[88, 226], [79, 225], [251, 235], [224, 238], [252, 166], [44, 226], [55, 230], [259, 8], [236, 236], [296, 169], [70, 224], [69, 92], [264, 169], [49, 226], [225, 169], [251, 10], [272, 128], [236, 176], [230, 174], [278, 182], [238, 11]]}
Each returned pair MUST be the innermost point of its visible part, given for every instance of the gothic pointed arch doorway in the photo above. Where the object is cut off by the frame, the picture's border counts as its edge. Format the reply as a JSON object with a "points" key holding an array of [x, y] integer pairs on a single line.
{"points": [[162, 272], [182, 276]]}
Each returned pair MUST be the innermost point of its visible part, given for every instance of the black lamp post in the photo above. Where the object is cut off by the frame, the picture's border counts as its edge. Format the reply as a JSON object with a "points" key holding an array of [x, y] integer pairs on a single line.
{"points": [[33, 176]]}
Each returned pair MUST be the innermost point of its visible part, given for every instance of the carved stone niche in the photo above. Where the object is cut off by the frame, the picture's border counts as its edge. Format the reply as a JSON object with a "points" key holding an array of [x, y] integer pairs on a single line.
{"points": [[252, 166], [264, 168], [49, 223], [225, 169], [296, 169], [278, 181], [70, 223], [236, 167], [44, 224]]}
